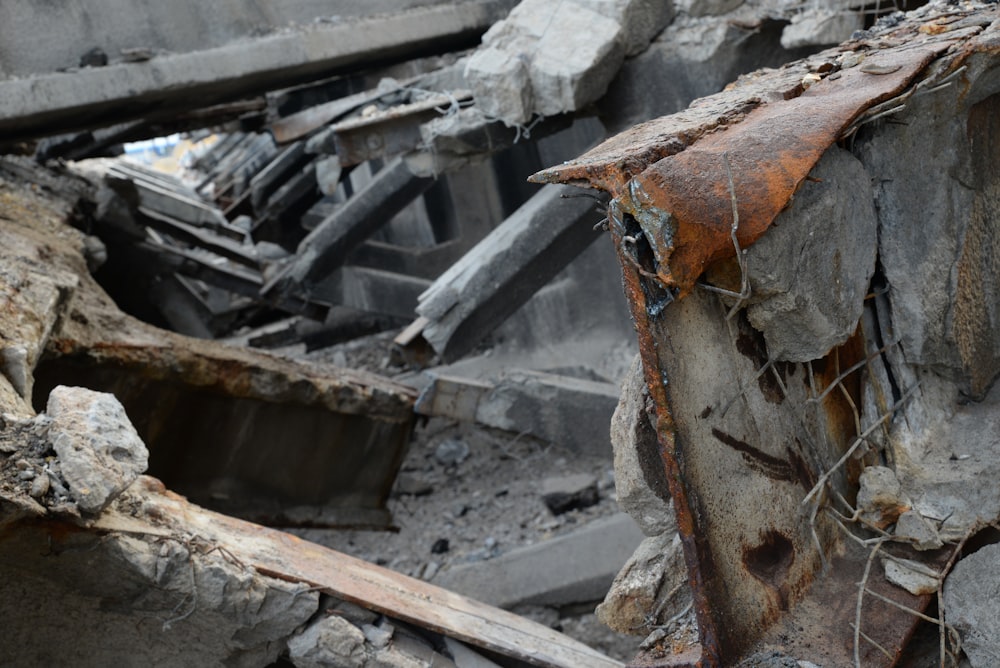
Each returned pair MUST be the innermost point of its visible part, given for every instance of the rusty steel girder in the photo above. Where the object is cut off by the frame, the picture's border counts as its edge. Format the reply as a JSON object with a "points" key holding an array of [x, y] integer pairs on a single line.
{"points": [[750, 457]]}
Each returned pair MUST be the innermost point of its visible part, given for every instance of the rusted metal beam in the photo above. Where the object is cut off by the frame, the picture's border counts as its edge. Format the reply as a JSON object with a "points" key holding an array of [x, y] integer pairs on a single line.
{"points": [[756, 460]]}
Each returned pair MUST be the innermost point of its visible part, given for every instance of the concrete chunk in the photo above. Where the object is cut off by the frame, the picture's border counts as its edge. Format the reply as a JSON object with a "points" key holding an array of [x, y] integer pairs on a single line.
{"points": [[99, 450], [574, 568], [576, 60], [571, 412], [330, 641], [501, 85]]}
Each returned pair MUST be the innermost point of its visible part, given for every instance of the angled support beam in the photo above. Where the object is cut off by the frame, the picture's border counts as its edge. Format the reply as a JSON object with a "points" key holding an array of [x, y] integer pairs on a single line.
{"points": [[325, 249]]}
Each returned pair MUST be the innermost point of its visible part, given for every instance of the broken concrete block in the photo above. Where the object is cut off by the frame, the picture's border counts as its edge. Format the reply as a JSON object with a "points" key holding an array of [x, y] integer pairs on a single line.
{"points": [[501, 85], [573, 568], [641, 20], [570, 52], [571, 412], [819, 27], [99, 451], [564, 493], [575, 60], [827, 239], [640, 485], [881, 499], [650, 588], [972, 605], [329, 641]]}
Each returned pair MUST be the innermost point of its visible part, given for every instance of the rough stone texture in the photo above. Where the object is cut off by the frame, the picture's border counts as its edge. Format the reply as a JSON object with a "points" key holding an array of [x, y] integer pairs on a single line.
{"points": [[651, 588], [972, 605], [501, 84], [880, 497], [641, 20], [810, 272], [691, 58], [145, 600], [912, 525], [576, 60], [329, 641], [818, 27], [99, 451], [539, 575], [640, 484], [938, 222]]}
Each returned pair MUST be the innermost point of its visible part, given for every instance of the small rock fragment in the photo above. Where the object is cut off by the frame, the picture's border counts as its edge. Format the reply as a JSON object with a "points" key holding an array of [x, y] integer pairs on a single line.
{"points": [[880, 498], [39, 487], [330, 641], [912, 525], [95, 57], [649, 589], [379, 636], [565, 493], [912, 576], [451, 452]]}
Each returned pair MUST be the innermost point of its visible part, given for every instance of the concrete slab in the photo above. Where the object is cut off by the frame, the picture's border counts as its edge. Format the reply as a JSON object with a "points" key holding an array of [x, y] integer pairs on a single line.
{"points": [[47, 101], [574, 568]]}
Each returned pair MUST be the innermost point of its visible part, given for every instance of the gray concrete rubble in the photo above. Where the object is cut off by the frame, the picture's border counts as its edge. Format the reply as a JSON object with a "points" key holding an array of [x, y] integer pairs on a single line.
{"points": [[39, 97], [803, 450], [99, 451], [970, 599], [551, 58], [537, 574]]}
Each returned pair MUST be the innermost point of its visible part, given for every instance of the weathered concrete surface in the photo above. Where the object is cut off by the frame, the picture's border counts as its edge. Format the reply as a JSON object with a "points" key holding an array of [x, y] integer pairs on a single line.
{"points": [[650, 589], [537, 575], [100, 453], [53, 102], [549, 58], [972, 605], [640, 484], [570, 412]]}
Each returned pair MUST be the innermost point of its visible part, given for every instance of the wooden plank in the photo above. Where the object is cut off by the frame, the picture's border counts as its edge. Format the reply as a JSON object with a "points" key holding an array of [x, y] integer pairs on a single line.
{"points": [[288, 558]]}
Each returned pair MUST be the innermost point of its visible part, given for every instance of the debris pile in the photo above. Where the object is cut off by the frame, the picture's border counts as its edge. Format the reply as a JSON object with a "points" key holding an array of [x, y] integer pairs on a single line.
{"points": [[806, 256]]}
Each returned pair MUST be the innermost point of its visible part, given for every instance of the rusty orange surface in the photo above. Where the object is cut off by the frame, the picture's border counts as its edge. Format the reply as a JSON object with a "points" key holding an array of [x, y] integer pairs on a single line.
{"points": [[683, 202]]}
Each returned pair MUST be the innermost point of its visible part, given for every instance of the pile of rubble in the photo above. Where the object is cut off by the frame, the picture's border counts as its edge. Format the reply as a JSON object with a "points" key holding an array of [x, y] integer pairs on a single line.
{"points": [[808, 404]]}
